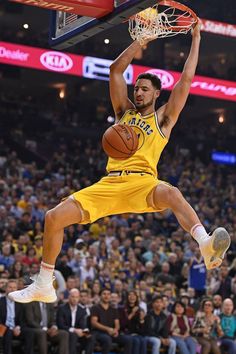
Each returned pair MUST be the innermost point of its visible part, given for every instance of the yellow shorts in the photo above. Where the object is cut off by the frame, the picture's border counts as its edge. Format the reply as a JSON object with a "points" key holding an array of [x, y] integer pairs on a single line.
{"points": [[117, 195]]}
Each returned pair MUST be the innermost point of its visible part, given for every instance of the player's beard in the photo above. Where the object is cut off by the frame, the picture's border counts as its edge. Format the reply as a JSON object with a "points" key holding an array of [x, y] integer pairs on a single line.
{"points": [[144, 105]]}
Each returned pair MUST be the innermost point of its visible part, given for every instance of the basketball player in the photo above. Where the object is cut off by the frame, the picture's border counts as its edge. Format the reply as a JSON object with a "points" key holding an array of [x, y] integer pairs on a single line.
{"points": [[132, 184]]}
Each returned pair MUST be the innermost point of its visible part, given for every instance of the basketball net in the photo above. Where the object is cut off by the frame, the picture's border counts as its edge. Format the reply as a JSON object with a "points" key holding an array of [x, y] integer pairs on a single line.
{"points": [[165, 19]]}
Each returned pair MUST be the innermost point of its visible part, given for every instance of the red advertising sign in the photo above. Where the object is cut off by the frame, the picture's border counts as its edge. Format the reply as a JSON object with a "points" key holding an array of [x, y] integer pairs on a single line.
{"points": [[201, 85], [98, 68], [225, 29], [42, 59]]}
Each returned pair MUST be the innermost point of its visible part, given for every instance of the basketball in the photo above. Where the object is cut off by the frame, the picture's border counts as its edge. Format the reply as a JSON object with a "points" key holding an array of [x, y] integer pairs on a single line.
{"points": [[120, 141]]}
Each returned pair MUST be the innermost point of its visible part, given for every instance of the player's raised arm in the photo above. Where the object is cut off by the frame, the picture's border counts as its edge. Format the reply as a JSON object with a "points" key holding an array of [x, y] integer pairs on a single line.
{"points": [[181, 90], [118, 86]]}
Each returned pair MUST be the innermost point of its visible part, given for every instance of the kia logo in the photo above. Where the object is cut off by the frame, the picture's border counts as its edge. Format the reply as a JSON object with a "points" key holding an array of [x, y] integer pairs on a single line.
{"points": [[56, 61], [166, 78]]}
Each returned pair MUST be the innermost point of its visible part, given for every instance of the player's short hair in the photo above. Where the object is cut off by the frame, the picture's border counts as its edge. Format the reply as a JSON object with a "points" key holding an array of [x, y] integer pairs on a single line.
{"points": [[156, 82]]}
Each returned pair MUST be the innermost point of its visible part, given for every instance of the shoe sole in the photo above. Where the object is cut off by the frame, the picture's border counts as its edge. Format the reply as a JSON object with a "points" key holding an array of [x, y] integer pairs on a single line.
{"points": [[220, 246], [46, 299]]}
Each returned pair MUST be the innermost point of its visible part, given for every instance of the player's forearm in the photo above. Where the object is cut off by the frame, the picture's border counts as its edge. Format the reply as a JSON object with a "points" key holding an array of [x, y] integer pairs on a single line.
{"points": [[192, 60], [121, 63]]}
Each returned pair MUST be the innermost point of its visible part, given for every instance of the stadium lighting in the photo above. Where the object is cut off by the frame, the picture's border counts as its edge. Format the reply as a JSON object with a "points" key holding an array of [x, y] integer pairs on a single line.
{"points": [[221, 119], [110, 119], [62, 93]]}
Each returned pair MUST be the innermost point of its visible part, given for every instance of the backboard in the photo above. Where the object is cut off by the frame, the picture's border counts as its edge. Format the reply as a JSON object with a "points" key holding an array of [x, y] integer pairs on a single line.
{"points": [[68, 29]]}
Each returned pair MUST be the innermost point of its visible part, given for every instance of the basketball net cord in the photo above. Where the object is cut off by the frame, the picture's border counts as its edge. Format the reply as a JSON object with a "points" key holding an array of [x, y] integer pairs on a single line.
{"points": [[150, 23]]}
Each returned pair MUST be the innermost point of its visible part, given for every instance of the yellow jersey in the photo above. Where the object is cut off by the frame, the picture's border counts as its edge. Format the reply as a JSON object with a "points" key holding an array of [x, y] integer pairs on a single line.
{"points": [[151, 144]]}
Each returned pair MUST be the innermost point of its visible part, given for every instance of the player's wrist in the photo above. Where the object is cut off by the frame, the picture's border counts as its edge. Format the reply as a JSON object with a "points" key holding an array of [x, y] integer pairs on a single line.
{"points": [[137, 44], [196, 36]]}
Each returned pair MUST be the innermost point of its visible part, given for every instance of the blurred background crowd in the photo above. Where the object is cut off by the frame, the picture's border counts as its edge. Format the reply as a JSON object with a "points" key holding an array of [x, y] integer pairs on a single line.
{"points": [[143, 269], [148, 255]]}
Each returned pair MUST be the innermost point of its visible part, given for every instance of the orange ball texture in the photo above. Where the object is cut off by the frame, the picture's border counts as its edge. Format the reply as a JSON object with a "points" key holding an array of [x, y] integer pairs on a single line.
{"points": [[120, 141]]}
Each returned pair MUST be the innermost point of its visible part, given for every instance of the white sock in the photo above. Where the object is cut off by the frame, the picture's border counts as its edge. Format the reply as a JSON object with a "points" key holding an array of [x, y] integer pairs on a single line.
{"points": [[199, 233], [45, 274]]}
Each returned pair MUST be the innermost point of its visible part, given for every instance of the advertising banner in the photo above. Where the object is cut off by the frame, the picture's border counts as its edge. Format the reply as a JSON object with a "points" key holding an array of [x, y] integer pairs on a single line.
{"points": [[98, 68], [221, 28]]}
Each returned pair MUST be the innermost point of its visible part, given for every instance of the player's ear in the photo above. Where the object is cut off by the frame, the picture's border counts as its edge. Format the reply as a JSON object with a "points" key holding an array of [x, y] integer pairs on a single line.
{"points": [[157, 93]]}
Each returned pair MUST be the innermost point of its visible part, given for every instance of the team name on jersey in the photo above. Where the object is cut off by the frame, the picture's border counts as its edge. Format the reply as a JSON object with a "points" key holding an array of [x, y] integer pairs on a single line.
{"points": [[141, 124]]}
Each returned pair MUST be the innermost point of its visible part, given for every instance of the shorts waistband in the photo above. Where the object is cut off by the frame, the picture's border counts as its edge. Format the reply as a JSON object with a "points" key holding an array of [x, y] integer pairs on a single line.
{"points": [[125, 172]]}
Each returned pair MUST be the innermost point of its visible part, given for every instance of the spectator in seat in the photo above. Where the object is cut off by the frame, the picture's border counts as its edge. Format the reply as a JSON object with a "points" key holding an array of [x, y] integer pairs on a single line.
{"points": [[197, 274], [30, 257], [70, 284], [16, 270], [194, 302], [72, 318], [3, 284], [6, 259], [85, 301], [189, 310], [96, 289], [87, 271], [207, 328], [11, 322], [167, 305], [106, 325], [134, 322], [38, 246], [156, 328], [25, 225], [63, 267], [39, 319], [228, 324], [119, 289], [225, 285], [179, 328], [217, 303], [164, 276]]}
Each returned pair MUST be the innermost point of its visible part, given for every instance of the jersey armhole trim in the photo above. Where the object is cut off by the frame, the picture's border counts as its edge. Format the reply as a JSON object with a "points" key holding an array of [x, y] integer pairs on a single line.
{"points": [[119, 121], [158, 127]]}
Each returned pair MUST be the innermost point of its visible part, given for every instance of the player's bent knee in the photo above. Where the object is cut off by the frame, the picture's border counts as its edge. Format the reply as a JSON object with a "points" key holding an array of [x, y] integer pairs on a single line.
{"points": [[175, 198], [50, 218], [174, 195], [66, 213], [166, 196]]}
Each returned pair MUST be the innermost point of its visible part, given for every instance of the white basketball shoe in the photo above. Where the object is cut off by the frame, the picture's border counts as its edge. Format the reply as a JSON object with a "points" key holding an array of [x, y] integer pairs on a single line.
{"points": [[214, 248], [34, 292]]}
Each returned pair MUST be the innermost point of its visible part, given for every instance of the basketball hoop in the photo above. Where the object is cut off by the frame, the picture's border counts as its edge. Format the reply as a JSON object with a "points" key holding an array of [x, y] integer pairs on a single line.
{"points": [[165, 19]]}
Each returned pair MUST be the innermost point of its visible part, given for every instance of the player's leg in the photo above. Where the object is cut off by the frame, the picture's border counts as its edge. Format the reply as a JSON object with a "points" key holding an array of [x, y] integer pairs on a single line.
{"points": [[212, 247], [64, 214]]}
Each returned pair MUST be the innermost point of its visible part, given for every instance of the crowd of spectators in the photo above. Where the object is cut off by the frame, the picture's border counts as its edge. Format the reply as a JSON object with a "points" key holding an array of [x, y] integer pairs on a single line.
{"points": [[150, 269], [85, 321], [145, 266], [137, 281]]}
